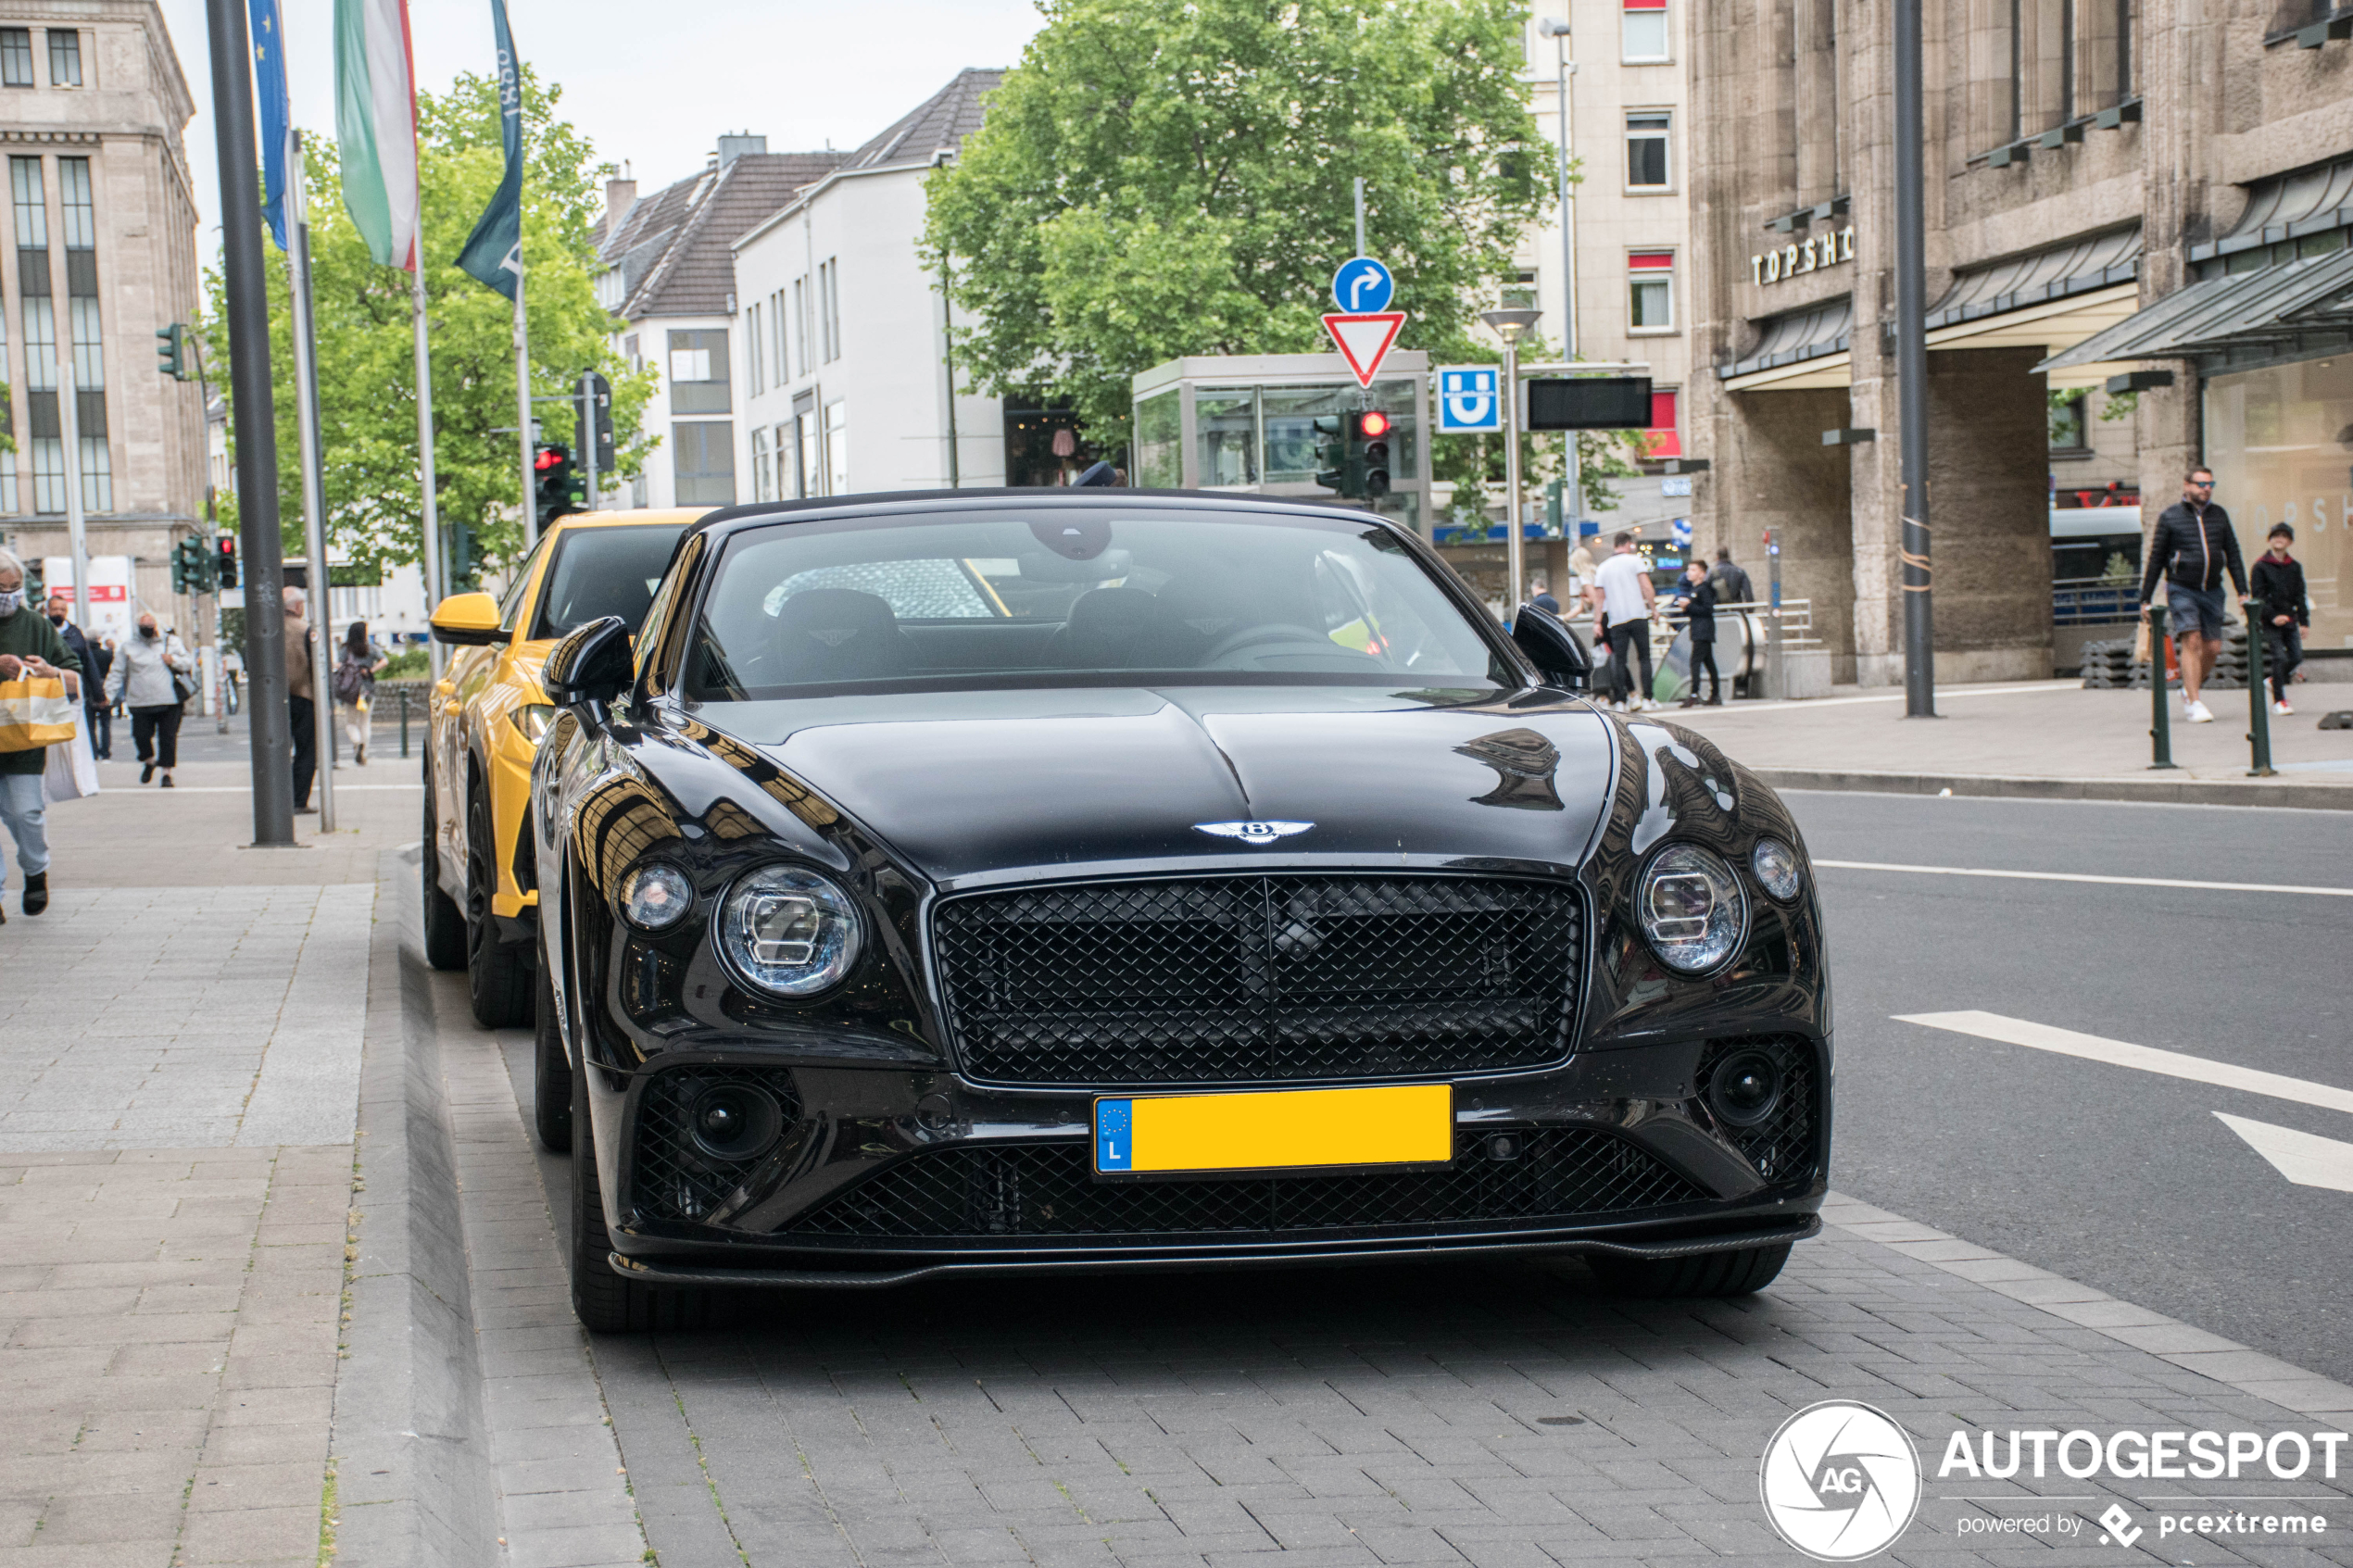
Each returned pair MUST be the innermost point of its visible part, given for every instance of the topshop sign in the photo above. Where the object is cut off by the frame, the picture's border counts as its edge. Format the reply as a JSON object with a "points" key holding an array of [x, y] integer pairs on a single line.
{"points": [[1803, 255]]}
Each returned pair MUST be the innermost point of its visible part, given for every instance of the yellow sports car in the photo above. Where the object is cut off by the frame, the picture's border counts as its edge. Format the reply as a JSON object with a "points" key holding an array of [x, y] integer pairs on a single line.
{"points": [[486, 716]]}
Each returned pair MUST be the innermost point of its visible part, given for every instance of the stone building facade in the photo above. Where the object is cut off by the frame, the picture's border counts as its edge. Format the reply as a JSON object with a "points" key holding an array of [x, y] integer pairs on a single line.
{"points": [[2089, 163], [102, 251]]}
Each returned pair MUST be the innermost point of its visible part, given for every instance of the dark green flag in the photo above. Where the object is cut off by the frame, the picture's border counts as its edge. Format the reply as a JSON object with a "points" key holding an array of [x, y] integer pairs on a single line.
{"points": [[493, 255]]}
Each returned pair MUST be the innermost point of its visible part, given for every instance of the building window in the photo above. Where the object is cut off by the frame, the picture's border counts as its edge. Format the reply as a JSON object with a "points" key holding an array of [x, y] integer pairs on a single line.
{"points": [[15, 57], [1647, 135], [29, 207], [1642, 33], [80, 223], [1662, 439], [829, 308], [705, 466], [699, 373], [777, 338], [762, 474], [65, 57], [837, 447], [787, 475], [1650, 291], [800, 325], [758, 359], [812, 469], [629, 352], [2068, 427]]}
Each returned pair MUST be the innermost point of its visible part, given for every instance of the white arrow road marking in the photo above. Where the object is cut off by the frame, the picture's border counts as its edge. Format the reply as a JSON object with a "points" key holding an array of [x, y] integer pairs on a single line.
{"points": [[2078, 876], [2122, 1053], [2307, 1161]]}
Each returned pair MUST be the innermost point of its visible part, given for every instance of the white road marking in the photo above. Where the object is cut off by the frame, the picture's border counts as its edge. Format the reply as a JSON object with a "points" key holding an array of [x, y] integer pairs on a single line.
{"points": [[2147, 1059], [2081, 876], [2302, 1157]]}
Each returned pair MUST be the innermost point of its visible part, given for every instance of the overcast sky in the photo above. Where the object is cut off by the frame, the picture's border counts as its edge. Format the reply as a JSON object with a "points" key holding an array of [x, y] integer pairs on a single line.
{"points": [[654, 86]]}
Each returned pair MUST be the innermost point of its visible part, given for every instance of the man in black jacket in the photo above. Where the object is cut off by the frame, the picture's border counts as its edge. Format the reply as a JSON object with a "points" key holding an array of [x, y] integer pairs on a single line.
{"points": [[2190, 550], [2280, 609]]}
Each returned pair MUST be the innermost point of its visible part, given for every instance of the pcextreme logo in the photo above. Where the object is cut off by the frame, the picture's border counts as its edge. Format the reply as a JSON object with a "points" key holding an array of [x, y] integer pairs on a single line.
{"points": [[1840, 1481]]}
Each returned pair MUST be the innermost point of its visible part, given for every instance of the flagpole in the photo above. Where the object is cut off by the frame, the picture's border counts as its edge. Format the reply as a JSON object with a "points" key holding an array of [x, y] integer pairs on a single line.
{"points": [[523, 409], [424, 459], [314, 493]]}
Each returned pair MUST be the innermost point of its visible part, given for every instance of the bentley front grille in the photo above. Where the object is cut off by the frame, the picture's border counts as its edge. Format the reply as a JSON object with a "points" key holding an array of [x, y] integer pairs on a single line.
{"points": [[1273, 978], [1048, 1190]]}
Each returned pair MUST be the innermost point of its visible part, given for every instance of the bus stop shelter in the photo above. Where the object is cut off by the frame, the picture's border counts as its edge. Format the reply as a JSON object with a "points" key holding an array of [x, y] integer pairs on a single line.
{"points": [[1247, 423]]}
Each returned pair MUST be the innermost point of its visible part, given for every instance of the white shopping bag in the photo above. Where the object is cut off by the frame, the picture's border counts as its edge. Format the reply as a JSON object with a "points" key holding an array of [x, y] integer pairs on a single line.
{"points": [[70, 772]]}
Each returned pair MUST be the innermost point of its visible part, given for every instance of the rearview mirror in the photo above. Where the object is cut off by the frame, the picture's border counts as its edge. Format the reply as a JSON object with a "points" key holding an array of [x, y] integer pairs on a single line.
{"points": [[593, 665], [469, 621], [1559, 658]]}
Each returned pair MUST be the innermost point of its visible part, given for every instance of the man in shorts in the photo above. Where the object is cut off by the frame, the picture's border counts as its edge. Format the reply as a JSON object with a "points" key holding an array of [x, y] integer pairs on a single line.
{"points": [[2190, 550]]}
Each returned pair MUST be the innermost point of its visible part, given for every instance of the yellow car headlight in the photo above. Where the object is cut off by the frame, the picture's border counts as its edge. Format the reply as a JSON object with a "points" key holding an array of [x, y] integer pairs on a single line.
{"points": [[533, 719]]}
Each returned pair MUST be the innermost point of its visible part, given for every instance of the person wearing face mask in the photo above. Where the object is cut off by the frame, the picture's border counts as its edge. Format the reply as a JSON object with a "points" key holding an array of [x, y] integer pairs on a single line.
{"points": [[142, 680], [29, 646], [97, 723]]}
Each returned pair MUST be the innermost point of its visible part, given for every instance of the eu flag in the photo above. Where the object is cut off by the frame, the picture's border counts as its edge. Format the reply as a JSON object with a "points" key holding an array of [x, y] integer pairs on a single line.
{"points": [[494, 253], [277, 120]]}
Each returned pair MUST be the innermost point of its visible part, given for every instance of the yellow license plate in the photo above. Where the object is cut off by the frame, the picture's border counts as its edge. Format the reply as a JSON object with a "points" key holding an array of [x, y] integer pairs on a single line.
{"points": [[1276, 1130]]}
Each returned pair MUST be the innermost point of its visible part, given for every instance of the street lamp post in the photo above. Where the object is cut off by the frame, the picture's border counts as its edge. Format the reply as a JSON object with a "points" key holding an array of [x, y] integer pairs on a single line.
{"points": [[1558, 30], [1911, 368], [1508, 324]]}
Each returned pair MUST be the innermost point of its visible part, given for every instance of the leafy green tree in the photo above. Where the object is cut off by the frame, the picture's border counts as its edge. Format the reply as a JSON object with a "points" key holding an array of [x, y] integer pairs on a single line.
{"points": [[367, 374], [1156, 179]]}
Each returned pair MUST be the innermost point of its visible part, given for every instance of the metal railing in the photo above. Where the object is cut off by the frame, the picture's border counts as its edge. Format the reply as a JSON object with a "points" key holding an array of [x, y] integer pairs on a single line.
{"points": [[2083, 601]]}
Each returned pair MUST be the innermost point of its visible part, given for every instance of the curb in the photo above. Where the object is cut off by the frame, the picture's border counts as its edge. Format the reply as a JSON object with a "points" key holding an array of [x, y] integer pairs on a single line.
{"points": [[2184, 791]]}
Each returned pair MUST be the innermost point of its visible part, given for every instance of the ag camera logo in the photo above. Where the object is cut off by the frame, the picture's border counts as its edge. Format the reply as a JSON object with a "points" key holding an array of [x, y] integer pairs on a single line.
{"points": [[1840, 1481]]}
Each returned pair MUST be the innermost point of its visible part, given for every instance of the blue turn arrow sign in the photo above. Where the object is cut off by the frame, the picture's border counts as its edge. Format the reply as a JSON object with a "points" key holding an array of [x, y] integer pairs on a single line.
{"points": [[1362, 285]]}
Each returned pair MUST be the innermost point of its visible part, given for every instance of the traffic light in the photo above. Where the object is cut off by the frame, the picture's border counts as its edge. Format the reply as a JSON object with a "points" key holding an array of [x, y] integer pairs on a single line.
{"points": [[1345, 476], [227, 563], [1371, 441], [553, 467], [593, 426], [171, 351], [465, 559], [191, 567]]}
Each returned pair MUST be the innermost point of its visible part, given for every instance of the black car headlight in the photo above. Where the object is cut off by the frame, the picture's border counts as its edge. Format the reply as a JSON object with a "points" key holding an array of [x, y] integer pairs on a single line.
{"points": [[655, 897], [1692, 910], [1775, 864], [788, 932]]}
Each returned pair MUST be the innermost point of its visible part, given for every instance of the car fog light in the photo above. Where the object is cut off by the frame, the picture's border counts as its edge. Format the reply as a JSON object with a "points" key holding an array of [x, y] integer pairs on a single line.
{"points": [[734, 1122], [1691, 908], [1775, 864], [656, 897], [788, 932], [1744, 1088]]}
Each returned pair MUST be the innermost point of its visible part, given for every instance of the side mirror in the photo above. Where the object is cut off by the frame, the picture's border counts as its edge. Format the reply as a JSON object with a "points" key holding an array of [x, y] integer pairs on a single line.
{"points": [[468, 621], [1552, 649], [593, 665]]}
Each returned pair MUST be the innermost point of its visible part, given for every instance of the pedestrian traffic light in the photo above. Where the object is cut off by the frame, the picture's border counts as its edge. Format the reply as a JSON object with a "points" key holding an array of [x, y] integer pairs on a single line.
{"points": [[553, 467], [1371, 441], [171, 351], [226, 574]]}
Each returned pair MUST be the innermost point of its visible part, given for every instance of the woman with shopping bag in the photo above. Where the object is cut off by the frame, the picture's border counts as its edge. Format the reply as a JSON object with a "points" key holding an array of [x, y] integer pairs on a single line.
{"points": [[357, 666], [40, 699], [153, 676]]}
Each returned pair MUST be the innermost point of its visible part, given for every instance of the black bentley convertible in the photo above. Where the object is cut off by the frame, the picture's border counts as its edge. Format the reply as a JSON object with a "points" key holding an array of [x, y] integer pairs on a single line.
{"points": [[1105, 880]]}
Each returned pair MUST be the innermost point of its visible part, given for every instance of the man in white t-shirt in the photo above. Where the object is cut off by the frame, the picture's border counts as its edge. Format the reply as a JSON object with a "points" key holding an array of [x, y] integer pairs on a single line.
{"points": [[1623, 595]]}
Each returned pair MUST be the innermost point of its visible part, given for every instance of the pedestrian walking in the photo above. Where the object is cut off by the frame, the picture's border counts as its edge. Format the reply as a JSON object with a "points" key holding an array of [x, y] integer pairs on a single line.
{"points": [[92, 665], [1698, 601], [356, 670], [31, 648], [1580, 569], [1732, 583], [2192, 548], [2281, 608], [153, 676], [1622, 594], [302, 713], [102, 711]]}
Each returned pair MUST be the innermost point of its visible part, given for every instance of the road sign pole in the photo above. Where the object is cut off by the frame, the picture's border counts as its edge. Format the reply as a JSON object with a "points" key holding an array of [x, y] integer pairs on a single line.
{"points": [[1360, 218], [1512, 542]]}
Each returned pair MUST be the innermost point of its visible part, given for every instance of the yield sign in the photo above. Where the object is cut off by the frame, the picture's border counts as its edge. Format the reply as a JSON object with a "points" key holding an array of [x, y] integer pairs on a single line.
{"points": [[1364, 339]]}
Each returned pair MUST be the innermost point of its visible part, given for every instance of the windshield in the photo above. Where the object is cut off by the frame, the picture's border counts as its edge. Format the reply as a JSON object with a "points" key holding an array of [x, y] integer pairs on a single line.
{"points": [[1077, 595], [601, 571]]}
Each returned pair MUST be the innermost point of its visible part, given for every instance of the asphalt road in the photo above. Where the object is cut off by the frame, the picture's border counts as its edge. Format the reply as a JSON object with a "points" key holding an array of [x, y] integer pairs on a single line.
{"points": [[2110, 1175]]}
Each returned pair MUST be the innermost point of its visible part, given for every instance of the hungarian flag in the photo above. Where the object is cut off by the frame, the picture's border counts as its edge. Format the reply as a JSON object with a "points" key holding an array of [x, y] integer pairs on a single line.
{"points": [[376, 126], [494, 253]]}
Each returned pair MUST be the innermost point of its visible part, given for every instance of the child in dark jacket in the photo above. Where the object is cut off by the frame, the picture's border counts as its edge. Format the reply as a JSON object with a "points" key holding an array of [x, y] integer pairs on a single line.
{"points": [[2281, 610]]}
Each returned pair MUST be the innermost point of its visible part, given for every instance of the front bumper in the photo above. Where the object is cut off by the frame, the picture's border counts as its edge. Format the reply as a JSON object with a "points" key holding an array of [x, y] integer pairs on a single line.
{"points": [[881, 1176]]}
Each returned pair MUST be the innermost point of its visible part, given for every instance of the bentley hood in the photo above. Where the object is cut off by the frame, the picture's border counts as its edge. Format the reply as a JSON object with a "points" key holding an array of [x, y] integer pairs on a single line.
{"points": [[966, 783]]}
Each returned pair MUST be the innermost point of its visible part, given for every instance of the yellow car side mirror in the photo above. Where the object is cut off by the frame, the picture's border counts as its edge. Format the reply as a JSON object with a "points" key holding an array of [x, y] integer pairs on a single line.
{"points": [[467, 620]]}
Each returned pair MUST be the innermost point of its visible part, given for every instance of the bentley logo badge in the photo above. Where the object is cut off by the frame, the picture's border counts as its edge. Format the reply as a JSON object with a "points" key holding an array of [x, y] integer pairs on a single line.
{"points": [[1258, 833]]}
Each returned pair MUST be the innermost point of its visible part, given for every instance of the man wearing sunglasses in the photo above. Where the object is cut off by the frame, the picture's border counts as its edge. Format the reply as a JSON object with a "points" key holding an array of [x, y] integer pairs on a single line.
{"points": [[2192, 546]]}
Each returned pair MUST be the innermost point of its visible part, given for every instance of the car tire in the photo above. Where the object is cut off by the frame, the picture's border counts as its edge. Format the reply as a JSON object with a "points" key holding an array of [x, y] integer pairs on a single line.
{"points": [[1740, 1273], [445, 923], [605, 1302], [498, 973], [550, 1076]]}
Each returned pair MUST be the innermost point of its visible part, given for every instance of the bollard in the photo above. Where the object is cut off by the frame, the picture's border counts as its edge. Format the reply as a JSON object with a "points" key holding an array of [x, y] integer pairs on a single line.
{"points": [[2259, 711], [2160, 732], [404, 724]]}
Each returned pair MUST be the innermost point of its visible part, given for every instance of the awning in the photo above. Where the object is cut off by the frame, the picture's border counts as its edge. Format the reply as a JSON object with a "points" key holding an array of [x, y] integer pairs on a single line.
{"points": [[2312, 201], [2040, 277], [2277, 304], [1796, 346]]}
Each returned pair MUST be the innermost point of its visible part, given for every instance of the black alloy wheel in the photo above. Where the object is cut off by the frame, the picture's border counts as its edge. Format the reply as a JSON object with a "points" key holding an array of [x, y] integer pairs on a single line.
{"points": [[498, 973], [551, 1074], [1740, 1273], [445, 923], [605, 1301]]}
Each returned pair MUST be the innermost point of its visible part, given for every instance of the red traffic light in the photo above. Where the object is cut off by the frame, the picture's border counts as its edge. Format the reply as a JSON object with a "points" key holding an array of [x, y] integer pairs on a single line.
{"points": [[549, 456], [1372, 424]]}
